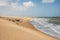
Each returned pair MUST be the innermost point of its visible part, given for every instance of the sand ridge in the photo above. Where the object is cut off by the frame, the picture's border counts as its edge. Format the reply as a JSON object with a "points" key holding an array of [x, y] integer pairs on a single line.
{"points": [[20, 30]]}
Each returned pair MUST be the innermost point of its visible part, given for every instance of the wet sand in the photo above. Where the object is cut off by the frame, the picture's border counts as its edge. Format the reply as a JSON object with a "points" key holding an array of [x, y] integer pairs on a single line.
{"points": [[21, 30]]}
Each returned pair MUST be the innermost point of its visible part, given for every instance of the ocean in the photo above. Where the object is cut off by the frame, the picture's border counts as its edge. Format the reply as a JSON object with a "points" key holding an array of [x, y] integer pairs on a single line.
{"points": [[50, 26]]}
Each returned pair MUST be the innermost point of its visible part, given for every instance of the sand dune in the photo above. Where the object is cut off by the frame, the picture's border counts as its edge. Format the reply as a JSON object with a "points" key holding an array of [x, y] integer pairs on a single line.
{"points": [[10, 29]]}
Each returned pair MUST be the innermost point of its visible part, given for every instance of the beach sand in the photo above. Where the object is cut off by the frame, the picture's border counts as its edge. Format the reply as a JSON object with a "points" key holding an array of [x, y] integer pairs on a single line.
{"points": [[20, 29]]}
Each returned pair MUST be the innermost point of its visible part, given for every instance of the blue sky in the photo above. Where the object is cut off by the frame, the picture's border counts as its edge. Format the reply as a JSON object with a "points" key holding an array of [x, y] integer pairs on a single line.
{"points": [[34, 8]]}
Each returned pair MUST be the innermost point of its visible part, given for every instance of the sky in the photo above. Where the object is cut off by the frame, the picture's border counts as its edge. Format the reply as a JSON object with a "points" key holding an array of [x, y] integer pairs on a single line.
{"points": [[33, 8]]}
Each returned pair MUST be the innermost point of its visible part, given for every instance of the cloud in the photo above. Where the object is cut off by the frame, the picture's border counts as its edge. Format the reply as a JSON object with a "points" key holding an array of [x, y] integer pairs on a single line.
{"points": [[22, 7], [28, 4], [48, 1], [3, 3], [16, 5]]}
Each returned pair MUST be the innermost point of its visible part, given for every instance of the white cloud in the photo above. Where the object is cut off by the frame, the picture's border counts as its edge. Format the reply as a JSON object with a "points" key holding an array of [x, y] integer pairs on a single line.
{"points": [[16, 5], [28, 4], [25, 6], [48, 1], [3, 3]]}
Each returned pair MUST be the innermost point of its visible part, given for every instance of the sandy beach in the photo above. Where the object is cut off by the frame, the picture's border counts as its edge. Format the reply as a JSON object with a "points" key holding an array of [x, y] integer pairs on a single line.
{"points": [[19, 28]]}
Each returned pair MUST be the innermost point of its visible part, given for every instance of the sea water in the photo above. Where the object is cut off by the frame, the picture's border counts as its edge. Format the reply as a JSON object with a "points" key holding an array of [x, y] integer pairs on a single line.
{"points": [[42, 24]]}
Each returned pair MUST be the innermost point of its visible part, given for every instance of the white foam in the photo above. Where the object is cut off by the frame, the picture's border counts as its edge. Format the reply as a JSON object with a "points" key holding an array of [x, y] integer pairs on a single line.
{"points": [[42, 24]]}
